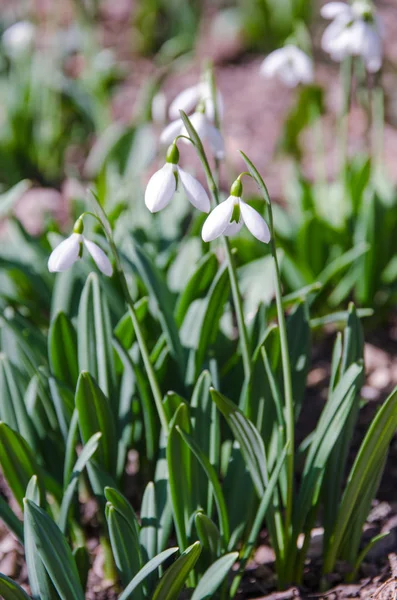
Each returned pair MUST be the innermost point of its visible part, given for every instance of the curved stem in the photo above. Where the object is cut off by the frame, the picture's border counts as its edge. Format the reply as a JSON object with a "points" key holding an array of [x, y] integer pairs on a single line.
{"points": [[237, 300], [154, 385], [286, 366]]}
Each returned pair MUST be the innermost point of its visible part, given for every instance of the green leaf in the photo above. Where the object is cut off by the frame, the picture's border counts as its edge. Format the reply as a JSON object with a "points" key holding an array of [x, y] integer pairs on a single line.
{"points": [[201, 324], [179, 473], [299, 344], [125, 544], [213, 577], [85, 455], [95, 415], [18, 462], [147, 570], [148, 535], [54, 552], [95, 350], [124, 330], [10, 519], [212, 476], [250, 441], [208, 534], [197, 285], [62, 350], [10, 590], [174, 578], [11, 197], [369, 460], [161, 295], [13, 409]]}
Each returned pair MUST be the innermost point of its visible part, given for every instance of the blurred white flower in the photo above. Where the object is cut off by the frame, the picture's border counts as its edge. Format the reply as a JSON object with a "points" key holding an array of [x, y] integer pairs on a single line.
{"points": [[205, 130], [290, 64], [192, 96], [163, 184], [18, 38], [71, 249], [229, 216], [355, 31], [159, 109]]}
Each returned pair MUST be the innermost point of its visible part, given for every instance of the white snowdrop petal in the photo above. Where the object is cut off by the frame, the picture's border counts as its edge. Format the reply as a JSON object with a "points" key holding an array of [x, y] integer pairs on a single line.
{"points": [[65, 254], [331, 34], [255, 223], [331, 10], [169, 134], [215, 140], [273, 62], [209, 104], [233, 228], [303, 66], [160, 189], [19, 37], [218, 220], [194, 191], [186, 101], [100, 258]]}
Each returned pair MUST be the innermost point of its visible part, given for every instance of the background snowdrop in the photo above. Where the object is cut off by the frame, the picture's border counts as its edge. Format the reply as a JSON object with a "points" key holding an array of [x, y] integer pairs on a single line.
{"points": [[205, 130], [163, 185], [354, 31], [189, 99], [289, 64], [18, 38], [71, 249]]}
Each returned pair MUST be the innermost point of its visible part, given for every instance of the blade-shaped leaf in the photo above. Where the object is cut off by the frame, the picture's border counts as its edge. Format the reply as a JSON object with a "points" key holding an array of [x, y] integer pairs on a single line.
{"points": [[174, 578], [147, 570], [213, 577]]}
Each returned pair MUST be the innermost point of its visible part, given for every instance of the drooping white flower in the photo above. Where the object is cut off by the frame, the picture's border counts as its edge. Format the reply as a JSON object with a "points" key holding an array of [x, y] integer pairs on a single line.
{"points": [[189, 98], [205, 130], [71, 249], [229, 216], [355, 31], [18, 38], [163, 185], [290, 64]]}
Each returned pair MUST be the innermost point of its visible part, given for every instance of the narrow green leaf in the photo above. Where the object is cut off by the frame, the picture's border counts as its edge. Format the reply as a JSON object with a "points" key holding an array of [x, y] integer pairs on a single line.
{"points": [[95, 350], [213, 577], [125, 545], [249, 439], [212, 476], [10, 590], [85, 455], [148, 534], [62, 350], [197, 285], [208, 534], [179, 473], [174, 578], [371, 454], [95, 415], [18, 462], [54, 552], [147, 570]]}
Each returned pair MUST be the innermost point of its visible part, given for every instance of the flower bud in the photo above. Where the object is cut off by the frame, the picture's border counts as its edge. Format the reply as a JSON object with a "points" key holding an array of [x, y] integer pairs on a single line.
{"points": [[78, 226], [236, 189], [172, 154]]}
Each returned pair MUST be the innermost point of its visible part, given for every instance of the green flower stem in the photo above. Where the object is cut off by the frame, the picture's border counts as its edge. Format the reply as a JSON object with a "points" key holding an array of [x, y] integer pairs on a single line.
{"points": [[237, 300], [378, 124], [286, 366], [154, 385], [346, 75]]}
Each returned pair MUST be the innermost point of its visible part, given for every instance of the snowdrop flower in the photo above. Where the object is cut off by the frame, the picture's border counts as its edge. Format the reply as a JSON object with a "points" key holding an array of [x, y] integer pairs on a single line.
{"points": [[18, 38], [290, 65], [71, 249], [354, 31], [205, 130], [163, 185], [229, 216], [192, 96]]}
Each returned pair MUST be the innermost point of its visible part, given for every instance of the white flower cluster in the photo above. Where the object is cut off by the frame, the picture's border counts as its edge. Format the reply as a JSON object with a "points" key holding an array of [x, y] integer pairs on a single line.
{"points": [[355, 30]]}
